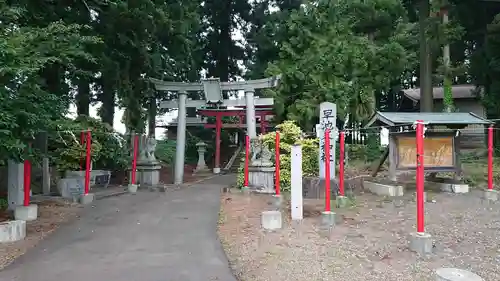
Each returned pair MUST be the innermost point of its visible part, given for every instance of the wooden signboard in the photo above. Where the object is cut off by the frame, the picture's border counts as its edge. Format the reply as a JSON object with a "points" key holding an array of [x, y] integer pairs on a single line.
{"points": [[439, 153]]}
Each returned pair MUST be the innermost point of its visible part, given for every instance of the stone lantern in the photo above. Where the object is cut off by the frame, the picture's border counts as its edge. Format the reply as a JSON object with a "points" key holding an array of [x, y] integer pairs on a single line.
{"points": [[201, 167]]}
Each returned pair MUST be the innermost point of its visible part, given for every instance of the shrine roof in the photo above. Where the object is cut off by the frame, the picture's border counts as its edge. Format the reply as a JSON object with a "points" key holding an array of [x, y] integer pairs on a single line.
{"points": [[433, 118]]}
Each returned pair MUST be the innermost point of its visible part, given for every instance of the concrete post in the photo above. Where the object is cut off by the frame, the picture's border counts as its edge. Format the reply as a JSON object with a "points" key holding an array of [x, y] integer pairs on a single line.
{"points": [[16, 184], [296, 183], [46, 176], [181, 138], [250, 113]]}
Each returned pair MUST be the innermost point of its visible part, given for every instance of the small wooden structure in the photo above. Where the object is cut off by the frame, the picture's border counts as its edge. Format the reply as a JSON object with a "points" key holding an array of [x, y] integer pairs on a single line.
{"points": [[466, 98], [441, 147]]}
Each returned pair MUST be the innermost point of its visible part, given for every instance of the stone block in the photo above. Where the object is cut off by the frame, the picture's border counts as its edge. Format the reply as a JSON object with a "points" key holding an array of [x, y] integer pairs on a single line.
{"points": [[86, 199], [420, 243], [342, 201], [490, 195], [455, 274], [384, 189], [132, 188], [11, 231], [71, 187], [454, 188], [327, 220], [271, 220], [26, 213]]}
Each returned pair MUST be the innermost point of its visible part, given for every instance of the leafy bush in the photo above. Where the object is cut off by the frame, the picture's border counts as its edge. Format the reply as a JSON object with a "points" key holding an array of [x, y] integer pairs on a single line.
{"points": [[290, 134], [109, 148], [165, 151]]}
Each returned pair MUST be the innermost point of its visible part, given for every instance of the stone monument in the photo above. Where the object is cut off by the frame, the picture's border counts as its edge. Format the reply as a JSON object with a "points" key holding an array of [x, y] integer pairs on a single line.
{"points": [[201, 167], [261, 170], [328, 120], [148, 168]]}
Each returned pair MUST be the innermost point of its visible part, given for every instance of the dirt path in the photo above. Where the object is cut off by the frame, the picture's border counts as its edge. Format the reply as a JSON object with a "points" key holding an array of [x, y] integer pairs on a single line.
{"points": [[369, 242]]}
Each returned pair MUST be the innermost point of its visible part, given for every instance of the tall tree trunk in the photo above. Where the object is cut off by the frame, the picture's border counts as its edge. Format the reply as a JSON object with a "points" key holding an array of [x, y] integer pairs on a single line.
{"points": [[83, 96], [426, 97], [152, 116], [54, 82], [107, 97]]}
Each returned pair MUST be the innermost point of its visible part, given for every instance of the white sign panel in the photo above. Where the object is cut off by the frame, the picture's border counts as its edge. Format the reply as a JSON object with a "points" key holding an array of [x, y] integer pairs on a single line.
{"points": [[328, 120]]}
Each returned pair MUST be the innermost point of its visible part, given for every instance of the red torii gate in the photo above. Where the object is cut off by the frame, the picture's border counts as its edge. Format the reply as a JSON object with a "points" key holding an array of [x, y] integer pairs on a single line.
{"points": [[218, 113]]}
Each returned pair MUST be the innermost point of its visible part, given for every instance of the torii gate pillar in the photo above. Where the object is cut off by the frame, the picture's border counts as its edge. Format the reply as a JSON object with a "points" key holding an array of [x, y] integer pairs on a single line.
{"points": [[250, 114]]}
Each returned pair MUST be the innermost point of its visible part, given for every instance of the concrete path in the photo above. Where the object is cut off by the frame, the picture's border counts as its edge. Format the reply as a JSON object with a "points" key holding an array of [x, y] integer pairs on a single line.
{"points": [[150, 236]]}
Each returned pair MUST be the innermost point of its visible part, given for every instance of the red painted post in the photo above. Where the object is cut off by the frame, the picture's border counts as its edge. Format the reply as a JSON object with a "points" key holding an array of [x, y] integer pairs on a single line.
{"points": [[247, 155], [490, 157], [87, 168], [134, 158], [327, 171], [277, 166], [420, 176], [27, 180], [218, 126], [341, 163]]}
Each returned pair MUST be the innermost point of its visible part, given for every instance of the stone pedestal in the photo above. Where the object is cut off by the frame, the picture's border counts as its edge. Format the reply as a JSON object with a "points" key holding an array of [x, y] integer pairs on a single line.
{"points": [[342, 201], [420, 243], [384, 189], [327, 220], [455, 274], [490, 195], [132, 188], [26, 213], [261, 179], [148, 174], [85, 199], [201, 167], [271, 220]]}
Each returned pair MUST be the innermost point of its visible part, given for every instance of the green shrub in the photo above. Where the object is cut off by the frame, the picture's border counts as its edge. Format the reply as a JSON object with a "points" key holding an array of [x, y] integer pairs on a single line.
{"points": [[110, 150], [290, 134], [165, 151]]}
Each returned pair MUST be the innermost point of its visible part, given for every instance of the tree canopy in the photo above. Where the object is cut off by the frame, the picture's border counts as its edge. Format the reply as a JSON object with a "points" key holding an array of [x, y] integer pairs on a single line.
{"points": [[358, 54]]}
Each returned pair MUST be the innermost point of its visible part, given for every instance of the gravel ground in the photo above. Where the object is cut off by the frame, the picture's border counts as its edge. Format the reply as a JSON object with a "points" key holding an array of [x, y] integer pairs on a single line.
{"points": [[369, 242], [51, 214]]}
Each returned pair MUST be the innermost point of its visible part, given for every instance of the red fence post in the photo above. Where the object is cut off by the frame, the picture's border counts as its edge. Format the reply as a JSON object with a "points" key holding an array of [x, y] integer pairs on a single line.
{"points": [[341, 163], [134, 158], [277, 166], [27, 179], [420, 175], [490, 157], [247, 152], [87, 168], [327, 171]]}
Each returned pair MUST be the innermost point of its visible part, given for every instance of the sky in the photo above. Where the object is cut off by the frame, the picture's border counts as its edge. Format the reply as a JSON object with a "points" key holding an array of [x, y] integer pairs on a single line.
{"points": [[118, 124]]}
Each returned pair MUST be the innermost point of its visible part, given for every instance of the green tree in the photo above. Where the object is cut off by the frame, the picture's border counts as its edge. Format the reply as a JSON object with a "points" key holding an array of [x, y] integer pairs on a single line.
{"points": [[26, 103], [343, 52]]}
